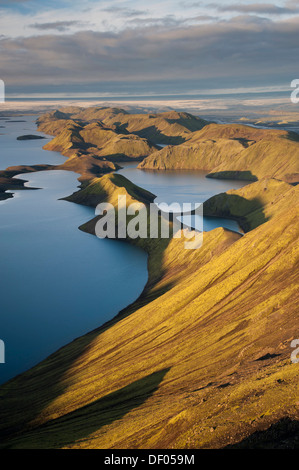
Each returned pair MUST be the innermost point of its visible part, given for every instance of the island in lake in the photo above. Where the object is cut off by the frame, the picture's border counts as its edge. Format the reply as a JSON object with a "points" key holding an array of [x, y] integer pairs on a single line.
{"points": [[202, 359], [30, 137]]}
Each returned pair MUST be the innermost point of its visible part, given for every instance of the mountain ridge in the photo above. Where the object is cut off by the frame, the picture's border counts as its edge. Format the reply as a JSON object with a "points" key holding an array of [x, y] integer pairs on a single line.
{"points": [[233, 151], [211, 331]]}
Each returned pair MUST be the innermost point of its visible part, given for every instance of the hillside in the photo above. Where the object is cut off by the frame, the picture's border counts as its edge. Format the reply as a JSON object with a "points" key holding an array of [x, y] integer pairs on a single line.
{"points": [[254, 204], [93, 139], [96, 140], [200, 360], [171, 127], [233, 151], [107, 189], [7, 183], [91, 148]]}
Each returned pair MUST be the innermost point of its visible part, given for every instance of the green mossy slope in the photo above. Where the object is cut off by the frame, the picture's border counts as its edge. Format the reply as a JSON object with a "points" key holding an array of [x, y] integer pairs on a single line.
{"points": [[162, 128], [107, 189], [255, 203], [200, 360], [233, 151]]}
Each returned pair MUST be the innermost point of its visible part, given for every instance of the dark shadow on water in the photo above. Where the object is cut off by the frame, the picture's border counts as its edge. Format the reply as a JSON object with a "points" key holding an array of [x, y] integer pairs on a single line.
{"points": [[83, 422]]}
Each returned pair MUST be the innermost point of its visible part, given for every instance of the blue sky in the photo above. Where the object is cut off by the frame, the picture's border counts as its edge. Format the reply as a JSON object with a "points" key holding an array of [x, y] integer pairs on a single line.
{"points": [[165, 46]]}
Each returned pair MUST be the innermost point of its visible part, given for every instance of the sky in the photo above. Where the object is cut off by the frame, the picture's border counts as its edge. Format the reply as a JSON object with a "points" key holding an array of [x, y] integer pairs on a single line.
{"points": [[162, 47]]}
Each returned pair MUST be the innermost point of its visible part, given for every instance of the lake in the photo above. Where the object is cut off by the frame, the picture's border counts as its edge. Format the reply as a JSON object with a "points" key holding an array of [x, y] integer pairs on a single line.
{"points": [[183, 187], [57, 282], [15, 152]]}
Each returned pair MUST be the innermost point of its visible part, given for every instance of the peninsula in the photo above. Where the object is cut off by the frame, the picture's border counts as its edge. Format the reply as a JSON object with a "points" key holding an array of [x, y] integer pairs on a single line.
{"points": [[202, 358]]}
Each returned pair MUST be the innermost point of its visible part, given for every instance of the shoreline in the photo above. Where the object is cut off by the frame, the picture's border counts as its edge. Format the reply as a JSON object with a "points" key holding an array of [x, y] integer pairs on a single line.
{"points": [[207, 330]]}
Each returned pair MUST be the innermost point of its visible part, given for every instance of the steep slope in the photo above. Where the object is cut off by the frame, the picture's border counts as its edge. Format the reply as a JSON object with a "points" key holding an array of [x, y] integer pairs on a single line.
{"points": [[201, 359], [107, 189], [91, 148], [67, 138], [93, 137], [114, 146], [163, 128], [255, 203], [234, 151], [96, 140]]}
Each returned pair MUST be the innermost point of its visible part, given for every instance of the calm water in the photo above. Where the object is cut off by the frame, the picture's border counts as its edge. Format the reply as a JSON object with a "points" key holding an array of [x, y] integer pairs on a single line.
{"points": [[183, 186], [57, 282], [23, 152]]}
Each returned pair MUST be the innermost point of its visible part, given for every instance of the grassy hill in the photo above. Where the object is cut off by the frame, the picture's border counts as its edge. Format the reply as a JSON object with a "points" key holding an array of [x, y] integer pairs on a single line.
{"points": [[171, 127], [233, 151], [90, 146], [254, 204], [200, 360], [93, 139], [96, 140], [107, 189]]}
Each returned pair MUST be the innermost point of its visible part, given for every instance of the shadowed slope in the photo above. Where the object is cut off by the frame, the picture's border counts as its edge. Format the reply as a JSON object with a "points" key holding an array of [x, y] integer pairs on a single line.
{"points": [[229, 303], [170, 127], [91, 148], [98, 141], [107, 189], [163, 128], [233, 151], [102, 412], [282, 435], [220, 319], [255, 203]]}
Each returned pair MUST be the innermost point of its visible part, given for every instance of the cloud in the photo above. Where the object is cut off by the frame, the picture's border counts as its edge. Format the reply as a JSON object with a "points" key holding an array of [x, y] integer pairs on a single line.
{"points": [[244, 50], [58, 25], [7, 2], [125, 12], [258, 8], [191, 4], [169, 21], [166, 21]]}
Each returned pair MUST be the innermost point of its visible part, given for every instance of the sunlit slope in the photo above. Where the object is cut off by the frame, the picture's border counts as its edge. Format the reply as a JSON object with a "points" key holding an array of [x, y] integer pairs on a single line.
{"points": [[202, 359], [91, 149], [93, 139], [107, 189], [171, 127], [165, 128], [99, 141], [255, 203], [233, 150]]}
